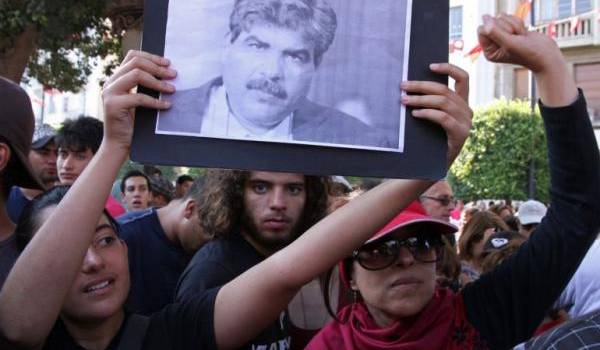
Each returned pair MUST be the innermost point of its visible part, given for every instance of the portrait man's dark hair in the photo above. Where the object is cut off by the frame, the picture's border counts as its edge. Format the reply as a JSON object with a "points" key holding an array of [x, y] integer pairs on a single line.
{"points": [[315, 18], [222, 199]]}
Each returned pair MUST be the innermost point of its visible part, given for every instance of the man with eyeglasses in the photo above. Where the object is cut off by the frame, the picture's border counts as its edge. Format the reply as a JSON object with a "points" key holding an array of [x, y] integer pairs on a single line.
{"points": [[439, 201]]}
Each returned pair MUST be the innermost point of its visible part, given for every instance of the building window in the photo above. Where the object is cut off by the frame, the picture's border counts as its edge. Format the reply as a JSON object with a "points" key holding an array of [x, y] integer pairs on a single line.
{"points": [[564, 8], [582, 6], [456, 23], [547, 10]]}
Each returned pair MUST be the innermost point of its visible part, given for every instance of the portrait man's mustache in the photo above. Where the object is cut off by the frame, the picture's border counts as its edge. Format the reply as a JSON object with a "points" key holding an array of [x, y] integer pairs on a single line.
{"points": [[267, 86]]}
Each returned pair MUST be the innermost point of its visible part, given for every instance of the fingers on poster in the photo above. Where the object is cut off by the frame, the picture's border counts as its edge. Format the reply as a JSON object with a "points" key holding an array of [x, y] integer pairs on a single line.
{"points": [[324, 72]]}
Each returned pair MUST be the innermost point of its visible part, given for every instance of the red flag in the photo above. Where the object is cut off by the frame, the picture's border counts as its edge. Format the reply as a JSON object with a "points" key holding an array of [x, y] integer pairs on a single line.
{"points": [[575, 24], [474, 53], [551, 32], [456, 45], [523, 10], [37, 101], [459, 45], [50, 91]]}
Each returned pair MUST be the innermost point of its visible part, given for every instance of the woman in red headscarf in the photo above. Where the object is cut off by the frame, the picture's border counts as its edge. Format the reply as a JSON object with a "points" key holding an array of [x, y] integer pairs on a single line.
{"points": [[397, 303]]}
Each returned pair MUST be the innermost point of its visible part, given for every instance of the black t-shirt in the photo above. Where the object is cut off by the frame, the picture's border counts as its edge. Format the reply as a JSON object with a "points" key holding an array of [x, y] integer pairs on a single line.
{"points": [[178, 326], [219, 262], [155, 263]]}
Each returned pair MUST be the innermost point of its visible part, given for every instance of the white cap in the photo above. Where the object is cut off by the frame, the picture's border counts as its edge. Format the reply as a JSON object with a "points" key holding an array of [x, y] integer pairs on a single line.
{"points": [[531, 212]]}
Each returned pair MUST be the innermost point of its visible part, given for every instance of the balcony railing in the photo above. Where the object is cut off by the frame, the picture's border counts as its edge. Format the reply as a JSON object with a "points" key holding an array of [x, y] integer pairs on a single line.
{"points": [[581, 30]]}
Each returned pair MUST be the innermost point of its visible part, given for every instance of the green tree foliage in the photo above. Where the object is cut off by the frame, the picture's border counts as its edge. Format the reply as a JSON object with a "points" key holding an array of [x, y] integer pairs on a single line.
{"points": [[66, 37], [494, 163]]}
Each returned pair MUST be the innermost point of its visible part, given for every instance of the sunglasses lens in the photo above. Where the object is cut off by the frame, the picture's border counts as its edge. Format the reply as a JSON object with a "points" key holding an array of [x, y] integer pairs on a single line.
{"points": [[379, 256], [423, 248]]}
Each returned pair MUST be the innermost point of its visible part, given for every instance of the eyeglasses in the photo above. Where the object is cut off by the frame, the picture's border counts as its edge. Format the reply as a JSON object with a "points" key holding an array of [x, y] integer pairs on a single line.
{"points": [[378, 256], [443, 200]]}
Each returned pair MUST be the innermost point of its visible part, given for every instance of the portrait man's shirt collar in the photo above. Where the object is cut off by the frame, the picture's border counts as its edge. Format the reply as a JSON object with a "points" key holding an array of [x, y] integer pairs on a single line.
{"points": [[220, 121]]}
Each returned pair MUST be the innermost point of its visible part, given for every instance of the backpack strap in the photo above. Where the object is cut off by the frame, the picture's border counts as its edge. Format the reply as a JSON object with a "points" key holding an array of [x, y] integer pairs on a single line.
{"points": [[134, 333]]}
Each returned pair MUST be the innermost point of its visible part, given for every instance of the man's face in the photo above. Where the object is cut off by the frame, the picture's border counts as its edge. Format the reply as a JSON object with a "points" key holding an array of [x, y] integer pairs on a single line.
{"points": [[43, 162], [438, 201], [267, 72], [158, 200], [70, 164], [273, 207], [137, 194], [183, 188]]}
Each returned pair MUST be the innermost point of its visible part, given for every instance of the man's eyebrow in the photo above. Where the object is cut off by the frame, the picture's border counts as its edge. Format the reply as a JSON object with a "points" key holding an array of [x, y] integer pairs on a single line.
{"points": [[255, 38], [253, 181]]}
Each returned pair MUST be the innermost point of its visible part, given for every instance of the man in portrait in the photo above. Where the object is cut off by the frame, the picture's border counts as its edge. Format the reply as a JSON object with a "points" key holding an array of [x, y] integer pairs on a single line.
{"points": [[272, 52]]}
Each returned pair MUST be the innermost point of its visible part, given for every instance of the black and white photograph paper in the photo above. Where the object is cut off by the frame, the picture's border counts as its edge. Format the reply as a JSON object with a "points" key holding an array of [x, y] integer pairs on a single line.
{"points": [[314, 72], [300, 86]]}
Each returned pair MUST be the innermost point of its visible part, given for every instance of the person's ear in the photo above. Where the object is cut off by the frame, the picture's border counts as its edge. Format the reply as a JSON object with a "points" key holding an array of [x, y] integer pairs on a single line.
{"points": [[190, 208], [5, 155]]}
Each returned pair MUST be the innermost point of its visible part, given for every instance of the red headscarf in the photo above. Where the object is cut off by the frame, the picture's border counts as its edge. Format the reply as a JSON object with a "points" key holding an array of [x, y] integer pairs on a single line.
{"points": [[431, 329]]}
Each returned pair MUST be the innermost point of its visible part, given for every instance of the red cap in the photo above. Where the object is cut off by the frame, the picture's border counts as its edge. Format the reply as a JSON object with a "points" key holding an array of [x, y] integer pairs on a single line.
{"points": [[411, 215]]}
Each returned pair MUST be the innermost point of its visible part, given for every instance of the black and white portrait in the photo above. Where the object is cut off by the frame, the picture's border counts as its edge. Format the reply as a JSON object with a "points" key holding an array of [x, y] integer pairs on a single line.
{"points": [[318, 72]]}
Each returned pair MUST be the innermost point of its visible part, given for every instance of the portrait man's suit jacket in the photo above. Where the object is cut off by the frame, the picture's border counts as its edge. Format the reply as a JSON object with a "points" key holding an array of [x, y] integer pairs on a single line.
{"points": [[311, 122]]}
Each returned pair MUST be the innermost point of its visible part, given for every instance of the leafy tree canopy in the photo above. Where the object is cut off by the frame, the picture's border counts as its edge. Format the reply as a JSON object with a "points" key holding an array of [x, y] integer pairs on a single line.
{"points": [[67, 37], [494, 163]]}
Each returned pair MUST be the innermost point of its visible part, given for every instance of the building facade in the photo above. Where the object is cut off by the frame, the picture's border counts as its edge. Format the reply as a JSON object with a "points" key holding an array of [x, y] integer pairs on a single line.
{"points": [[574, 24]]}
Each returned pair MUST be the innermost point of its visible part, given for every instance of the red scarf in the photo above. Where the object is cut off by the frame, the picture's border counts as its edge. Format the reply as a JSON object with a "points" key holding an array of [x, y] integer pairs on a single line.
{"points": [[434, 328]]}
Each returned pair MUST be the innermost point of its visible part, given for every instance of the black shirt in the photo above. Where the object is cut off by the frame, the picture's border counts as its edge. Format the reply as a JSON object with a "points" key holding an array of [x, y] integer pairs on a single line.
{"points": [[219, 262], [182, 326], [155, 263]]}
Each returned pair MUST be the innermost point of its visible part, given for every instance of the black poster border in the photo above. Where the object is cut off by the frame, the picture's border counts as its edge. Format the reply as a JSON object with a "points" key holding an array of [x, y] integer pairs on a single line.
{"points": [[425, 149]]}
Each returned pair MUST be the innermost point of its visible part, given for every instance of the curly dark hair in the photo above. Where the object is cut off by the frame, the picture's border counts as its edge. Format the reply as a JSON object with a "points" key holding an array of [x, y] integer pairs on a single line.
{"points": [[222, 201]]}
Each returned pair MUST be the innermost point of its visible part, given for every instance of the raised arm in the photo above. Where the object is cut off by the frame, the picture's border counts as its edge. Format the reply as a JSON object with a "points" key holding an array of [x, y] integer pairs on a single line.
{"points": [[506, 305], [34, 292], [250, 302]]}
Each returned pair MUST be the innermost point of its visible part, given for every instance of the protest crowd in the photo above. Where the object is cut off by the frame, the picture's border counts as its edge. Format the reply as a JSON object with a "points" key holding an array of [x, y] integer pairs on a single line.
{"points": [[244, 259]]}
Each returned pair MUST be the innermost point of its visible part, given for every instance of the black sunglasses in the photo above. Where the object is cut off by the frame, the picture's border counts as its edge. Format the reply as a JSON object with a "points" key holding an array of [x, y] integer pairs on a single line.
{"points": [[443, 200], [380, 255]]}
